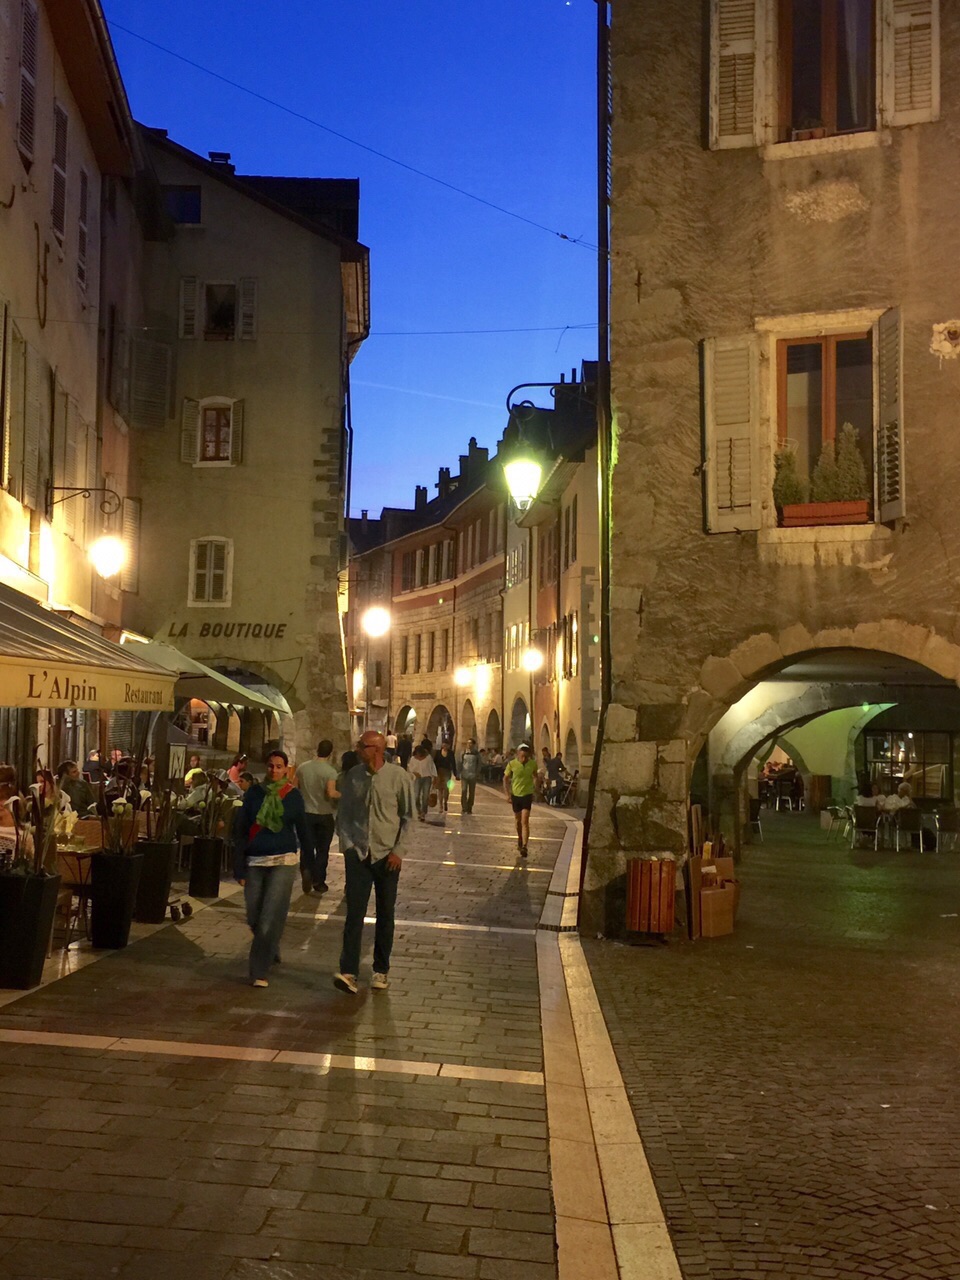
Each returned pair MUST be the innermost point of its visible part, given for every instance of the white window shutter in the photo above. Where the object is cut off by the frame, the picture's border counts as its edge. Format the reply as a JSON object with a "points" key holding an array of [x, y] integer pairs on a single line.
{"points": [[236, 432], [890, 487], [731, 444], [130, 532], [71, 478], [83, 214], [247, 299], [5, 48], [58, 207], [189, 307], [32, 414], [149, 383], [735, 67], [29, 60], [190, 431], [911, 61]]}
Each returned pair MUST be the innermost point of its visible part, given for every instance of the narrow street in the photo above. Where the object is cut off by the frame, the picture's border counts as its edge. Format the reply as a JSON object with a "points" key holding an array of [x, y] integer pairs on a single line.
{"points": [[153, 1104]]}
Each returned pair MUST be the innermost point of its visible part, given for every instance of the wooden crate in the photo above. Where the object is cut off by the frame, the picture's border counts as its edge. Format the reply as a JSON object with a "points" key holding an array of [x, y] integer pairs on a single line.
{"points": [[651, 895]]}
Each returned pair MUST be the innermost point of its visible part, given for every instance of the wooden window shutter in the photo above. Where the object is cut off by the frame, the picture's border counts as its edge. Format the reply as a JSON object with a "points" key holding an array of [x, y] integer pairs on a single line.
{"points": [[58, 208], [236, 433], [190, 431], [130, 532], [72, 477], [911, 61], [5, 48], [29, 60], [83, 213], [890, 488], [247, 298], [189, 307], [32, 427], [14, 417], [731, 375], [734, 72], [149, 383]]}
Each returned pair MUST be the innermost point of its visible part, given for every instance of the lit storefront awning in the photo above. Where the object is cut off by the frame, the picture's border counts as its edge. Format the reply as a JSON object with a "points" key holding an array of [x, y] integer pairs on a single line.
{"points": [[194, 679], [47, 661]]}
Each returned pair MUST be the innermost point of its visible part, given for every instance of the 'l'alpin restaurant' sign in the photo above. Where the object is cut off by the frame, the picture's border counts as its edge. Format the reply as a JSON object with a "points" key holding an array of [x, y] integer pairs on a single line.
{"points": [[27, 684]]}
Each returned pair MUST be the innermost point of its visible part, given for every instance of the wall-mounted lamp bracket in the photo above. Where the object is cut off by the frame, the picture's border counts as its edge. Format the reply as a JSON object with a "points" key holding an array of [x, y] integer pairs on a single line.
{"points": [[110, 503]]}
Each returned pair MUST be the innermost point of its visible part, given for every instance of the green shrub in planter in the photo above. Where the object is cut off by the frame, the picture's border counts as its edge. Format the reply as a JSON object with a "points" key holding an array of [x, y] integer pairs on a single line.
{"points": [[823, 482], [851, 471], [788, 487]]}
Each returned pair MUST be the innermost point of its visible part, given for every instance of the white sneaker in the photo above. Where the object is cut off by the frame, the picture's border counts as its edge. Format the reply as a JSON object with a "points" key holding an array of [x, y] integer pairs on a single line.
{"points": [[380, 982], [346, 982]]}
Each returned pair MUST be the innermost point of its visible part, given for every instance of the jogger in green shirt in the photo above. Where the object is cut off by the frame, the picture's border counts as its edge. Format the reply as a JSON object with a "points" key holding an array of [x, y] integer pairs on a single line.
{"points": [[519, 780]]}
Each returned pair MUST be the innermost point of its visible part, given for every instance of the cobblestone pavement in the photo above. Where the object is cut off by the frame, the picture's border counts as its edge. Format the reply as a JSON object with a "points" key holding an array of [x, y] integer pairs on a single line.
{"points": [[169, 1157], [795, 1085]]}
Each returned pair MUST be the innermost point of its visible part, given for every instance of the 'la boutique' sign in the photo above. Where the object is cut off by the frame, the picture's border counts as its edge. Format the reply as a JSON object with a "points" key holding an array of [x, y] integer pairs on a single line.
{"points": [[230, 630]]}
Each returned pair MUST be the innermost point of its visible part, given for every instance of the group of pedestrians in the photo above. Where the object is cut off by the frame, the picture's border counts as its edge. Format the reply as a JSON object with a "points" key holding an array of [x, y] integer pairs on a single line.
{"points": [[283, 825]]}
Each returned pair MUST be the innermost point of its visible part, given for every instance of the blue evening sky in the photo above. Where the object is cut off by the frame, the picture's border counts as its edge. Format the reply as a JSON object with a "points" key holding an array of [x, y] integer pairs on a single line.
{"points": [[494, 96]]}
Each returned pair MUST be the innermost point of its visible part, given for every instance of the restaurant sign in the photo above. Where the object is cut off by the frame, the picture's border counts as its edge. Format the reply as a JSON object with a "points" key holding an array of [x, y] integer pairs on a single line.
{"points": [[27, 684]]}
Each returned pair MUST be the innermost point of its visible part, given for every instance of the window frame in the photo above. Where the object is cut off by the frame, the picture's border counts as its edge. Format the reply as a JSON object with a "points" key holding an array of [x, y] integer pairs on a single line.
{"points": [[199, 602], [783, 84]]}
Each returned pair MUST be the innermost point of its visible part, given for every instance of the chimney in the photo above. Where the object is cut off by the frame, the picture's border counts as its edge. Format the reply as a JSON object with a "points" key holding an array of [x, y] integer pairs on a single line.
{"points": [[363, 519], [420, 498], [443, 481], [222, 160]]}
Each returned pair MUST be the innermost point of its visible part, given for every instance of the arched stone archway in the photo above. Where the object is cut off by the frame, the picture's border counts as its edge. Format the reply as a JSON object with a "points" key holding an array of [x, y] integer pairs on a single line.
{"points": [[571, 752], [519, 722], [640, 803], [545, 739], [493, 736], [468, 722], [440, 726], [406, 721]]}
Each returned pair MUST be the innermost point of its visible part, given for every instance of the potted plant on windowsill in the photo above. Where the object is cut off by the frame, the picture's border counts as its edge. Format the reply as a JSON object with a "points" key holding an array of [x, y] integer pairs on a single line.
{"points": [[808, 128], [29, 886], [838, 487], [115, 874]]}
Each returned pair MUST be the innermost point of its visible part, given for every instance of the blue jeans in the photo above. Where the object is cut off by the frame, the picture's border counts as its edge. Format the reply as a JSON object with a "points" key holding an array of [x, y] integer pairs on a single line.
{"points": [[421, 794], [267, 893], [321, 826], [361, 877]]}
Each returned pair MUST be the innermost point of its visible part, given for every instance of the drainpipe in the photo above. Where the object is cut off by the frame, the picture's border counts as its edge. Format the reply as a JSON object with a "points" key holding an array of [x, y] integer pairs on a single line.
{"points": [[604, 409]]}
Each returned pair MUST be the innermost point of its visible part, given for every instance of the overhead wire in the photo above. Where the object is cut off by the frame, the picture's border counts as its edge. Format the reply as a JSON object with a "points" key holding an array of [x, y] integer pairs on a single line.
{"points": [[382, 155]]}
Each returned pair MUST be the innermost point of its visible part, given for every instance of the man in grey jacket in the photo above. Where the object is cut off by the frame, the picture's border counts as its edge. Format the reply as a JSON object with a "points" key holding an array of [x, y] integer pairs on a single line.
{"points": [[373, 824], [469, 773]]}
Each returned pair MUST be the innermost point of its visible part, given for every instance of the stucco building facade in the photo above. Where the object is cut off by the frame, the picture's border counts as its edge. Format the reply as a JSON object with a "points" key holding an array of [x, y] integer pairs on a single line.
{"points": [[779, 298], [263, 302]]}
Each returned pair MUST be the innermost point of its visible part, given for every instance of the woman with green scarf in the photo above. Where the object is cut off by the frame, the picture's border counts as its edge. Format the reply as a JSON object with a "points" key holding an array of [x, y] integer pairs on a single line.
{"points": [[269, 831]]}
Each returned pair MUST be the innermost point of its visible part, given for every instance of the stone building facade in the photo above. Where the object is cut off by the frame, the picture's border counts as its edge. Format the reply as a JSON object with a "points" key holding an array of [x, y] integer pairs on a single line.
{"points": [[778, 295], [263, 303]]}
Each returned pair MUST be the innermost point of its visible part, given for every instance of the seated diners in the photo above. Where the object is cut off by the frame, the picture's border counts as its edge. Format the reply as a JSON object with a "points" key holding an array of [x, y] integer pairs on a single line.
{"points": [[902, 800]]}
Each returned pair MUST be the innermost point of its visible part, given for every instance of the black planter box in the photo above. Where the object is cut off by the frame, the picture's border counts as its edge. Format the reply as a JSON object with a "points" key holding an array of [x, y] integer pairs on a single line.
{"points": [[156, 876], [206, 853], [27, 907], [113, 892]]}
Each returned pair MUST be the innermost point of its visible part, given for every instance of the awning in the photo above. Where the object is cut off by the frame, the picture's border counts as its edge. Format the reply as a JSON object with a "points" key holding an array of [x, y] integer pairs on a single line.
{"points": [[46, 661], [273, 697], [194, 679]]}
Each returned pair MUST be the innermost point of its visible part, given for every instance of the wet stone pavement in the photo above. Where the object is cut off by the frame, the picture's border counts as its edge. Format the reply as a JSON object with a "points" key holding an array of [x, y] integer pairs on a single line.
{"points": [[206, 1134], [796, 1084]]}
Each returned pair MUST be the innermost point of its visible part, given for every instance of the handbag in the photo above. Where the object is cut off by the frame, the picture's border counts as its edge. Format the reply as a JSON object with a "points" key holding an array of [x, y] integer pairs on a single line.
{"points": [[432, 798]]}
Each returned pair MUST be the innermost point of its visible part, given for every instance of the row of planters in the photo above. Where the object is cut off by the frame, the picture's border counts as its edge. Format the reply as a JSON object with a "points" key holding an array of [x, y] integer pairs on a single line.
{"points": [[130, 879], [837, 492]]}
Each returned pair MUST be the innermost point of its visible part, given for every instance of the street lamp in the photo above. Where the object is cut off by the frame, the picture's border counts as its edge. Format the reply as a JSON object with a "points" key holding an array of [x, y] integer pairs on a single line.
{"points": [[375, 622], [523, 474], [108, 555], [532, 659], [462, 677]]}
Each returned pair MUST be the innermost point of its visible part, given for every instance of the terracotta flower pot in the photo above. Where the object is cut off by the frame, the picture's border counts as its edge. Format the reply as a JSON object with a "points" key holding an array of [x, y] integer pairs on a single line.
{"points": [[803, 514]]}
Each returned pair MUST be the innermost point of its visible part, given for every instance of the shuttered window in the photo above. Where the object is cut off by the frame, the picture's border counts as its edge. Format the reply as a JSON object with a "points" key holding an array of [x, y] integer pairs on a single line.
{"points": [[211, 432], [911, 82], [731, 434], [211, 571], [247, 326], [890, 479], [5, 47], [189, 306], [83, 214], [36, 429], [131, 517], [733, 71], [150, 366], [29, 61], [58, 207]]}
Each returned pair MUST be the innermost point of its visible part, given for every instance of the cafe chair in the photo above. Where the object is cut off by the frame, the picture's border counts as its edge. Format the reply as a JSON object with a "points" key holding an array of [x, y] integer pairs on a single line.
{"points": [[754, 820], [909, 823], [948, 827], [865, 824]]}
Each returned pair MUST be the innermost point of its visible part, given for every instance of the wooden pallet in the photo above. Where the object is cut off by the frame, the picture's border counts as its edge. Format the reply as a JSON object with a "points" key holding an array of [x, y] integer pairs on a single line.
{"points": [[651, 895]]}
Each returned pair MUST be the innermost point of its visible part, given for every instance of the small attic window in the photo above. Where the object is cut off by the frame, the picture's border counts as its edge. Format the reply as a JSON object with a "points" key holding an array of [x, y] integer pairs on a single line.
{"points": [[183, 204]]}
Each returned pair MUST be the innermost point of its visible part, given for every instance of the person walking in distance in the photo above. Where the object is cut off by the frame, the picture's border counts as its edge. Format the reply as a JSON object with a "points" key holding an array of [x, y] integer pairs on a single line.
{"points": [[391, 752], [266, 829], [424, 774], [317, 780], [470, 763], [519, 782], [446, 765], [373, 822]]}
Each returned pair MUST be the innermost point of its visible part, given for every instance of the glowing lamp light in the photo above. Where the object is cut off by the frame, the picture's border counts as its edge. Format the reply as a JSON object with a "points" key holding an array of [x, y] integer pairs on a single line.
{"points": [[532, 660], [375, 622], [462, 677], [108, 555], [523, 480]]}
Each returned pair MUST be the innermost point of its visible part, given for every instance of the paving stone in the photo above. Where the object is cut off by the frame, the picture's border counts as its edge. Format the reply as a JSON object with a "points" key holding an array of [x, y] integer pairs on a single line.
{"points": [[431, 1190], [446, 1264], [526, 1246]]}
